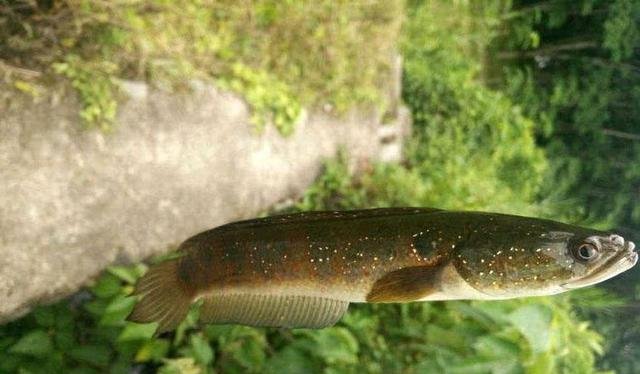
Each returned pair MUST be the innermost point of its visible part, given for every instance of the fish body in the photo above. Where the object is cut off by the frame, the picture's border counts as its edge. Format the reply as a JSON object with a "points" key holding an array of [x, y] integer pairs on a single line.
{"points": [[303, 269]]}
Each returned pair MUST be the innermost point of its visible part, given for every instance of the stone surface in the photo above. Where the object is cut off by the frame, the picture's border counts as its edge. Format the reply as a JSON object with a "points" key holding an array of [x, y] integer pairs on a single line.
{"points": [[74, 201]]}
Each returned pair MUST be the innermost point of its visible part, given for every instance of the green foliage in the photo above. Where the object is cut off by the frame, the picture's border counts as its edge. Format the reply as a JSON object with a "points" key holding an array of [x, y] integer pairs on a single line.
{"points": [[472, 148], [621, 31], [581, 86], [95, 86], [280, 55], [270, 99]]}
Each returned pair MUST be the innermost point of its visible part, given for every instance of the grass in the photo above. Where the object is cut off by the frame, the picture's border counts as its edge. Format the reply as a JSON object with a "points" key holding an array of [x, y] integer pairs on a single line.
{"points": [[281, 55]]}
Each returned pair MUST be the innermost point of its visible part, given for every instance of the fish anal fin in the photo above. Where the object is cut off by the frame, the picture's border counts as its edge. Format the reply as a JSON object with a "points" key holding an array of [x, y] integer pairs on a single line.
{"points": [[254, 309], [405, 285]]}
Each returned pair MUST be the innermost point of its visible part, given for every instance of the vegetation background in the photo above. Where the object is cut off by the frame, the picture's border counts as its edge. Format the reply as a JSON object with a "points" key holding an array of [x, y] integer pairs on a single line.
{"points": [[522, 106]]}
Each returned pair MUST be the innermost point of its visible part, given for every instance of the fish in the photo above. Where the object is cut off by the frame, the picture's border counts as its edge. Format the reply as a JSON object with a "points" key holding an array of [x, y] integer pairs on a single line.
{"points": [[302, 270]]}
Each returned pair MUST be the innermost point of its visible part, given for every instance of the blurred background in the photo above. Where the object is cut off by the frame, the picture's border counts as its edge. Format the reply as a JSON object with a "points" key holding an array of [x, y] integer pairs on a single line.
{"points": [[526, 107]]}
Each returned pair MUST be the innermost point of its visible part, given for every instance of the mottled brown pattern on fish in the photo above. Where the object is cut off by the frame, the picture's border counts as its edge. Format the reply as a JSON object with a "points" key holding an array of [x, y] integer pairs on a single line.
{"points": [[345, 253], [327, 250]]}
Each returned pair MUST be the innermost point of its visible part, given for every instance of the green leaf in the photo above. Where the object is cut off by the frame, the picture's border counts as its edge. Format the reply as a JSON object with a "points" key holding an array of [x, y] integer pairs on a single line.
{"points": [[128, 274], [336, 345], [107, 286], [94, 354], [45, 316], [64, 340], [117, 310], [493, 346], [482, 365], [152, 350], [180, 366], [542, 363], [534, 322], [250, 354], [137, 331], [201, 349], [36, 343], [291, 360]]}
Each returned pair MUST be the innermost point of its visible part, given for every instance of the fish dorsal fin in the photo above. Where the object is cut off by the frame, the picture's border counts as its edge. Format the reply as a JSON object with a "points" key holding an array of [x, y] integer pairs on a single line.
{"points": [[289, 311], [303, 217], [404, 285]]}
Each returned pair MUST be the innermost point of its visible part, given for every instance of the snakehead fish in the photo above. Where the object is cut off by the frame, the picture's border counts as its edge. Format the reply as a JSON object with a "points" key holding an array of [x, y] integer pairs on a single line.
{"points": [[303, 269]]}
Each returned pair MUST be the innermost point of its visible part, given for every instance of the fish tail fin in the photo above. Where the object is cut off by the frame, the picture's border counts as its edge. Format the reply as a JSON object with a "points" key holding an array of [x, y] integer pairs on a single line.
{"points": [[163, 297]]}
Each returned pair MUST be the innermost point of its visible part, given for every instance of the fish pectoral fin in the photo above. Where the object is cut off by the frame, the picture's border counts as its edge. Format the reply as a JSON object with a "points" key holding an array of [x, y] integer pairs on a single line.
{"points": [[291, 311], [404, 285]]}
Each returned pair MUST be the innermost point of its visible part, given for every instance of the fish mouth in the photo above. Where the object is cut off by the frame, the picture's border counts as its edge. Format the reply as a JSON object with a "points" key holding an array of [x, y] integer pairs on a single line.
{"points": [[620, 263]]}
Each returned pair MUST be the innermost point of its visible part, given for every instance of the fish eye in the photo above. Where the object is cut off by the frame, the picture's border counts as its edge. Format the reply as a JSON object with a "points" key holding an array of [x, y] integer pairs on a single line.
{"points": [[587, 252]]}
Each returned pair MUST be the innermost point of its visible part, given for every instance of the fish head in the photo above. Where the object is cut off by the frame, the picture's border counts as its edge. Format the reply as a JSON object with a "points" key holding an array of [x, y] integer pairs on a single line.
{"points": [[541, 258], [598, 258]]}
